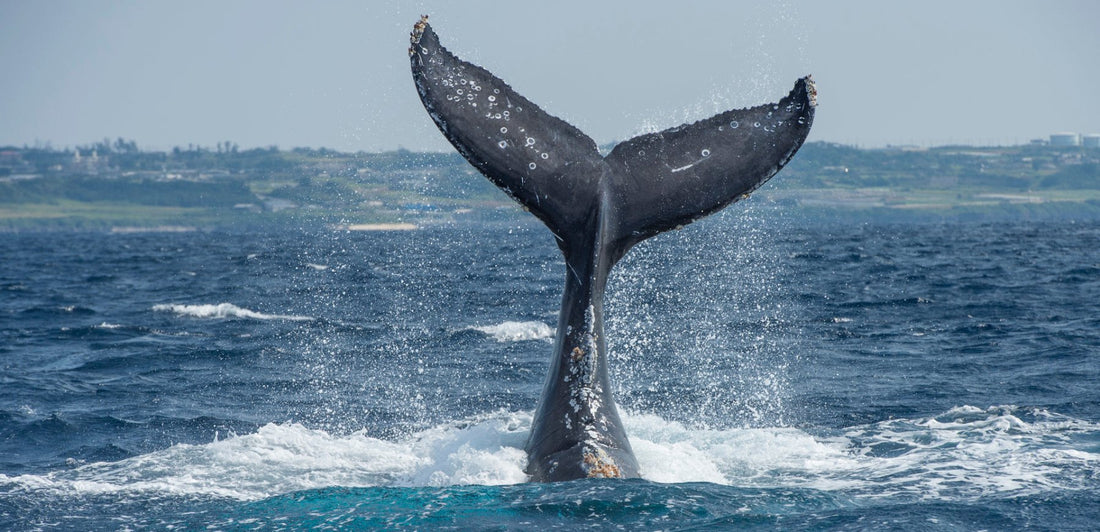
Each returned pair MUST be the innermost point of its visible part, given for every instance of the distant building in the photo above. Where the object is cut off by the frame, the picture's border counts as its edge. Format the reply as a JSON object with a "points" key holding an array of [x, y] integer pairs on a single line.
{"points": [[1091, 141], [89, 164], [11, 157], [1064, 139]]}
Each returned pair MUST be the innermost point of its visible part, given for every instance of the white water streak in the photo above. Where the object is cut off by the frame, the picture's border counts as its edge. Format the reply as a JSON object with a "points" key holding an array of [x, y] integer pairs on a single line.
{"points": [[966, 453], [224, 310]]}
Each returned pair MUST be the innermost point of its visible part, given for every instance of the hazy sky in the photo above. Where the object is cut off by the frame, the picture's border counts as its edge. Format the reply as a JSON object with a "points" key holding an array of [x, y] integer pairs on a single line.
{"points": [[336, 73]]}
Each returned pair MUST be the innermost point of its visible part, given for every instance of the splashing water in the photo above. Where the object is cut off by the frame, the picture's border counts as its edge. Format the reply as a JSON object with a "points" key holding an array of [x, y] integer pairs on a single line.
{"points": [[700, 319], [962, 454]]}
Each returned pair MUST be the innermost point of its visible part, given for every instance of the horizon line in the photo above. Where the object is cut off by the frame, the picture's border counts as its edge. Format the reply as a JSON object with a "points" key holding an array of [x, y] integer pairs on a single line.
{"points": [[40, 144]]}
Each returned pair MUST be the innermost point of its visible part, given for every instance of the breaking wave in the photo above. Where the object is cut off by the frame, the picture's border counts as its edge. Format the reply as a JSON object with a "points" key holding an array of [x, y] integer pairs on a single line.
{"points": [[224, 310], [517, 331], [963, 454]]}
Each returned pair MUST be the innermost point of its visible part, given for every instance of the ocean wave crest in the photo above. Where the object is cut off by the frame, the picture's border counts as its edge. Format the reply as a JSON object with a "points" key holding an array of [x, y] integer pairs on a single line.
{"points": [[224, 310], [284, 458], [964, 454], [517, 331]]}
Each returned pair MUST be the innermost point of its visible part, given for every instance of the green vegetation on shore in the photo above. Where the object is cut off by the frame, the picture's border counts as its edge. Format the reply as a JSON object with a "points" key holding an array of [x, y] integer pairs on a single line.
{"points": [[114, 185]]}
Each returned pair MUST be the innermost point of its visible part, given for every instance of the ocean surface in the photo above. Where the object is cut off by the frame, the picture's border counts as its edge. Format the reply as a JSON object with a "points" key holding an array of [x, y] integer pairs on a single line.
{"points": [[773, 374]]}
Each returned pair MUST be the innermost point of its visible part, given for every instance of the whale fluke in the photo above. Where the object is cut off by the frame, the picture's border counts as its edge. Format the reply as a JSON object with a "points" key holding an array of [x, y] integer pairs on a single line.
{"points": [[598, 208]]}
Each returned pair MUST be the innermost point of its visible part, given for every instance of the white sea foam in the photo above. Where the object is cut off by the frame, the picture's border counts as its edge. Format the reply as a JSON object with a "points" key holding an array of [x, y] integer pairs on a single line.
{"points": [[282, 458], [224, 310], [672, 453], [964, 454], [517, 331]]}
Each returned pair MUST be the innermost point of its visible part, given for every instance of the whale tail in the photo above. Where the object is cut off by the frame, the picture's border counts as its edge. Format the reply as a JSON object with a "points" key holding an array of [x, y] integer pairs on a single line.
{"points": [[598, 208], [658, 181]]}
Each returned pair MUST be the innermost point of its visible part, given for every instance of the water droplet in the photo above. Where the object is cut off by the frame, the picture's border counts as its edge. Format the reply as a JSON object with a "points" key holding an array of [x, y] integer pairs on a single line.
{"points": [[545, 155], [530, 141], [721, 128], [505, 114], [459, 91], [492, 98], [756, 124], [531, 166], [801, 121], [734, 124], [462, 81], [503, 130], [518, 108], [496, 91], [641, 152], [705, 152], [503, 144], [497, 116]]}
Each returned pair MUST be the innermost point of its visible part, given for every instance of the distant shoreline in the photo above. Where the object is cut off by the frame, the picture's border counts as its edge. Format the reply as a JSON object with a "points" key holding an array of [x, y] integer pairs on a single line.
{"points": [[122, 189]]}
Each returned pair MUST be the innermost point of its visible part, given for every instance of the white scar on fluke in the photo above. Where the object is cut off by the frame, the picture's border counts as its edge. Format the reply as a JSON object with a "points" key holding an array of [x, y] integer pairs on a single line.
{"points": [[597, 209]]}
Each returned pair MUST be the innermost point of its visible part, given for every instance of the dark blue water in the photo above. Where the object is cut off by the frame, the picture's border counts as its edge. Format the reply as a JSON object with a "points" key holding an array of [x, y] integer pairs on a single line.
{"points": [[774, 374]]}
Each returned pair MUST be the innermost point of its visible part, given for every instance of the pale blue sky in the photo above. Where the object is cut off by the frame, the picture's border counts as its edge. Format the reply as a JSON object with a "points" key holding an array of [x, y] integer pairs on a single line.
{"points": [[336, 74]]}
